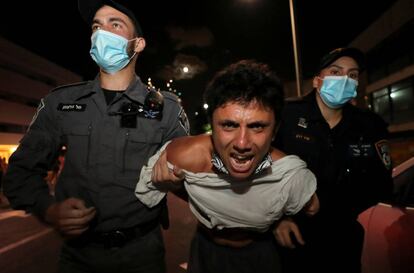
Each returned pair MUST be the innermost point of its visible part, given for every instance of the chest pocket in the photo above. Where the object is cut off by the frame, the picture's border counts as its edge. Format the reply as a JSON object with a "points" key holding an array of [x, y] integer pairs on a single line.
{"points": [[78, 143], [138, 146]]}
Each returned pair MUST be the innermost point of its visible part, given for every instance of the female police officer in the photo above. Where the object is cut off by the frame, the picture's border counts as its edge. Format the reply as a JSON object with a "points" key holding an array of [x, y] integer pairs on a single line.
{"points": [[346, 148]]}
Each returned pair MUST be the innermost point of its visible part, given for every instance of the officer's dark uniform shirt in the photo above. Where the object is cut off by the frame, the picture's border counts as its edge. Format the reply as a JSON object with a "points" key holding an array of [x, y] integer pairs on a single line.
{"points": [[103, 160], [351, 161], [352, 166]]}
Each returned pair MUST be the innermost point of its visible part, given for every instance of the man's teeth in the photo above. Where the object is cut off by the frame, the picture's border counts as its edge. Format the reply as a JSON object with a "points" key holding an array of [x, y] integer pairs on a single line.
{"points": [[241, 159]]}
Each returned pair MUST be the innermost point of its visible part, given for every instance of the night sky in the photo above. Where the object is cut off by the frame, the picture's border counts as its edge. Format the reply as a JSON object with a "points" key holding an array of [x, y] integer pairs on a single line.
{"points": [[207, 35]]}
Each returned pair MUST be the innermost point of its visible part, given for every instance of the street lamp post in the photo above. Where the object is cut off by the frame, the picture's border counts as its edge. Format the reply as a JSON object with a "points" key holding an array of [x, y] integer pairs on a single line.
{"points": [[298, 67]]}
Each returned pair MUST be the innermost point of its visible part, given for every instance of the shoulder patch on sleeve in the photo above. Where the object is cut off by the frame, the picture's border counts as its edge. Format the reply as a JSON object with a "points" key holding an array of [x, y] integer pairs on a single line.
{"points": [[182, 117], [39, 108], [383, 150]]}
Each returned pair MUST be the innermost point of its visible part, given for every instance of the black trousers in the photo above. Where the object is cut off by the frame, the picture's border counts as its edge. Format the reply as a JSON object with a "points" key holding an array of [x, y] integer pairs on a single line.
{"points": [[144, 254], [209, 257], [331, 248]]}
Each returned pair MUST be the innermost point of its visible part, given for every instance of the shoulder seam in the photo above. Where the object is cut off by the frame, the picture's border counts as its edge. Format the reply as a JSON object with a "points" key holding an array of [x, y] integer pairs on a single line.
{"points": [[69, 85]]}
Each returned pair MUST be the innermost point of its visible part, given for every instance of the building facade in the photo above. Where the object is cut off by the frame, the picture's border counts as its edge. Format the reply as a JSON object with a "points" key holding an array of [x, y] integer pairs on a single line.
{"points": [[24, 79]]}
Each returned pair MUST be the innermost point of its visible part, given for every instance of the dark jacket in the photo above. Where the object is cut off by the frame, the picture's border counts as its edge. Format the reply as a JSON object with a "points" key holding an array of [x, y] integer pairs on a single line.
{"points": [[351, 161]]}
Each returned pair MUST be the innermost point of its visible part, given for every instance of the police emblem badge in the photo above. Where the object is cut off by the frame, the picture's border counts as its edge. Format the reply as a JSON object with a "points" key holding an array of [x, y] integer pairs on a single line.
{"points": [[383, 151], [302, 123]]}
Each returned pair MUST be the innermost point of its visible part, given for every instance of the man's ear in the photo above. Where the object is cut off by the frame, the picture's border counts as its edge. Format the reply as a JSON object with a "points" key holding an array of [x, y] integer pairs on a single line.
{"points": [[275, 131], [139, 45], [317, 82]]}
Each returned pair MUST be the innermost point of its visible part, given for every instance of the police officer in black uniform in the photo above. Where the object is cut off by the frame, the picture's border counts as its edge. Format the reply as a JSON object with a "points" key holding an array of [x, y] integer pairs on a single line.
{"points": [[347, 149], [110, 127]]}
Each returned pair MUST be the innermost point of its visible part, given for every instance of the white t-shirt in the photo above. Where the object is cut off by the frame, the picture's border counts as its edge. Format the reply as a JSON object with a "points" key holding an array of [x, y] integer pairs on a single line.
{"points": [[219, 202]]}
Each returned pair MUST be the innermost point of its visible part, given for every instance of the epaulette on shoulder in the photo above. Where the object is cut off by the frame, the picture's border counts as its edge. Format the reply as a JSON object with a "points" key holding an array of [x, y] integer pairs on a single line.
{"points": [[170, 96], [69, 85], [294, 100], [368, 117]]}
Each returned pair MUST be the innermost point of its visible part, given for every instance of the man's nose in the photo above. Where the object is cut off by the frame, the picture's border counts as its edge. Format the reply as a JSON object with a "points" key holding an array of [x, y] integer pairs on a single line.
{"points": [[242, 141]]}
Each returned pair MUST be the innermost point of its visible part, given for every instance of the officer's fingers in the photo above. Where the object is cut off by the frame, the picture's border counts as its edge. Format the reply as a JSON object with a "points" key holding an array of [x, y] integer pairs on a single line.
{"points": [[282, 237], [298, 236], [154, 173], [74, 203], [178, 174], [70, 212], [88, 214], [279, 239], [160, 174], [313, 205], [160, 171], [73, 232], [80, 222], [156, 169], [288, 241], [83, 214]]}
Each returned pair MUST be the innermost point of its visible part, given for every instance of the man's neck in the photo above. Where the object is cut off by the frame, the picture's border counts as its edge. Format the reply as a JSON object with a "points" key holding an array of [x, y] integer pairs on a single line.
{"points": [[118, 81], [331, 116]]}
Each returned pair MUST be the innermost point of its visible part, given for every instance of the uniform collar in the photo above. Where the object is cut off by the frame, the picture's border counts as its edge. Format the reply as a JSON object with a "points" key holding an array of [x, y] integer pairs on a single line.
{"points": [[315, 112], [136, 91], [313, 108]]}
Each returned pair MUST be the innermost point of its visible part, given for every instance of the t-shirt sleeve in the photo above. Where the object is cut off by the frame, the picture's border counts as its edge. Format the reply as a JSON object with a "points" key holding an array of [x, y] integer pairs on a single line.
{"points": [[300, 188], [145, 190]]}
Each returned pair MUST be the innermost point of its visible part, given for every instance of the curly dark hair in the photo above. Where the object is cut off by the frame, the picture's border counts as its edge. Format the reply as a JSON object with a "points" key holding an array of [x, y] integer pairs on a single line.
{"points": [[244, 82]]}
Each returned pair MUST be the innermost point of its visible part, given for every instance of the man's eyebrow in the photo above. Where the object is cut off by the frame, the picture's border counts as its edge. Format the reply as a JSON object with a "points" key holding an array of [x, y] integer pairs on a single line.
{"points": [[111, 20], [96, 21], [227, 121], [341, 67], [258, 123], [117, 19]]}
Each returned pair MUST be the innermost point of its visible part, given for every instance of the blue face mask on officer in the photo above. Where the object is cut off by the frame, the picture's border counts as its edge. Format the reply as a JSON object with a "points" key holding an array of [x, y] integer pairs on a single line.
{"points": [[110, 51], [338, 90]]}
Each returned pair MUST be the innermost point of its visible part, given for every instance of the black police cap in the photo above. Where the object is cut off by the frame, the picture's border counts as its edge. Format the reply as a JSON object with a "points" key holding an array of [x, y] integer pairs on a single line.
{"points": [[88, 8], [335, 54]]}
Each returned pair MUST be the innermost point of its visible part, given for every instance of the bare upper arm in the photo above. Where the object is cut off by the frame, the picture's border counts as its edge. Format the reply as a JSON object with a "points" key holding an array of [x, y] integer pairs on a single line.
{"points": [[191, 153]]}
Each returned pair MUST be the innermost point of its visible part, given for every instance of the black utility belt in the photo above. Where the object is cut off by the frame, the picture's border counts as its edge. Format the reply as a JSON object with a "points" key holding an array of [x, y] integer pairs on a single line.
{"points": [[119, 237]]}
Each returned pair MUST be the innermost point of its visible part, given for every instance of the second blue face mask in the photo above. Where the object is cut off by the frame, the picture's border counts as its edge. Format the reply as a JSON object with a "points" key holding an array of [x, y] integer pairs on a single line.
{"points": [[109, 51], [338, 90]]}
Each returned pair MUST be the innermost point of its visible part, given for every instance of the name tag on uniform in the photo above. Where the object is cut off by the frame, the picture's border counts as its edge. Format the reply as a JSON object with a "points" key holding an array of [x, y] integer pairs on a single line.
{"points": [[303, 137], [71, 107], [360, 150]]}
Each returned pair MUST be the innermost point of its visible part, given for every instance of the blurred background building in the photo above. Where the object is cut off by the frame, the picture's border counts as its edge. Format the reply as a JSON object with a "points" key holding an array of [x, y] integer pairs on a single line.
{"points": [[24, 79]]}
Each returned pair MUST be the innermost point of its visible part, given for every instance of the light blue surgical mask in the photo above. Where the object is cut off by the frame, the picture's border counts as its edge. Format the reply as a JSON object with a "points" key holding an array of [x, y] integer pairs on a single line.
{"points": [[110, 51], [338, 90]]}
